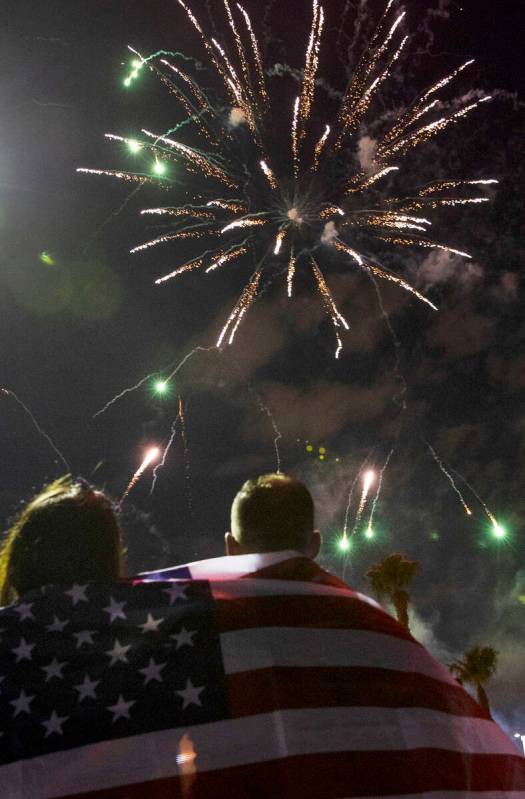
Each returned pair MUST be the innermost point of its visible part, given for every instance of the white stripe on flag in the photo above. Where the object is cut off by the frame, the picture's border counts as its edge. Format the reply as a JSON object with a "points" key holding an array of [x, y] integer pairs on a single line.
{"points": [[232, 566], [264, 647], [248, 587], [253, 739]]}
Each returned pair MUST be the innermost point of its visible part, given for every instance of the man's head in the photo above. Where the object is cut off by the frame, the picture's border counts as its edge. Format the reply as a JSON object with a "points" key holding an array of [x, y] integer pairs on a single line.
{"points": [[272, 513]]}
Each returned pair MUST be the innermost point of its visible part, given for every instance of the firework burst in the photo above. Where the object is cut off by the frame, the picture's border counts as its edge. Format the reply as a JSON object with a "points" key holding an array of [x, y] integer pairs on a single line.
{"points": [[313, 204]]}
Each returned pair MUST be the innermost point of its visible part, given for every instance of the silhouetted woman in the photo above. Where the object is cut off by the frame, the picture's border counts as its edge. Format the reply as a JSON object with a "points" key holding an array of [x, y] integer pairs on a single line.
{"points": [[69, 533]]}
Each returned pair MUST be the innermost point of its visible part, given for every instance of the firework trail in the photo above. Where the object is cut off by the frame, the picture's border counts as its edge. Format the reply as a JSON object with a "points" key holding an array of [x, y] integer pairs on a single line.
{"points": [[351, 494], [94, 236], [449, 477], [370, 530], [369, 478], [143, 380], [151, 455], [483, 504], [187, 468], [164, 455], [312, 205], [9, 393], [276, 432]]}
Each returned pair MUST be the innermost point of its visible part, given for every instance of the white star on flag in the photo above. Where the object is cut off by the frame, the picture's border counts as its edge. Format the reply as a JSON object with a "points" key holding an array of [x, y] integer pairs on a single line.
{"points": [[54, 724], [190, 695], [115, 610], [23, 650], [175, 592], [121, 709], [152, 671], [118, 653], [57, 626], [151, 625], [54, 669], [24, 609], [77, 593], [84, 637], [184, 638], [21, 705], [86, 689]]}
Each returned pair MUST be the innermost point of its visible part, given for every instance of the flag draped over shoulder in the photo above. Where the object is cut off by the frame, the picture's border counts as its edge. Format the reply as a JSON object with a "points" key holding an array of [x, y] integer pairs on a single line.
{"points": [[256, 676]]}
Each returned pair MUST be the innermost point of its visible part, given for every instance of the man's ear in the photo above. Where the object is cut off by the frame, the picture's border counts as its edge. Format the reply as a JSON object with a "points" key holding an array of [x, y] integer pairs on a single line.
{"points": [[315, 545], [232, 546]]}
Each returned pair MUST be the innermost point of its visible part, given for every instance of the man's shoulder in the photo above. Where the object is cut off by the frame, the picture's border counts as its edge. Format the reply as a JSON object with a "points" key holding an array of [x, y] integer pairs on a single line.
{"points": [[282, 565], [296, 566]]}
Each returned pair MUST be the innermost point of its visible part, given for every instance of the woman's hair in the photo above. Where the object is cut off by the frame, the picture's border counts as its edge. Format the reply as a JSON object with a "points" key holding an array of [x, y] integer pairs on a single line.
{"points": [[69, 533]]}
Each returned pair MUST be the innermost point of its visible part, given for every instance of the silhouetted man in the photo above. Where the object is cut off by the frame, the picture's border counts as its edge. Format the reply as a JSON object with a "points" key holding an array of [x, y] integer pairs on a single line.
{"points": [[329, 695]]}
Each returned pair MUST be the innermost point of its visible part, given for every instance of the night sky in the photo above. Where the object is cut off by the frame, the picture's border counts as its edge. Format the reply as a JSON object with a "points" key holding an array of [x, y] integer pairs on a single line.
{"points": [[76, 332]]}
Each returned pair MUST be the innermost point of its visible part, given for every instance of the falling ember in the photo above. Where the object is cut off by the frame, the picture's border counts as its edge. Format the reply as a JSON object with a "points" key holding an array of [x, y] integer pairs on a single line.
{"points": [[496, 527], [329, 305], [295, 142], [8, 393], [269, 174], [452, 482], [232, 151], [242, 223], [151, 456], [369, 478], [279, 242], [161, 386], [245, 301], [291, 273], [498, 531], [370, 530], [228, 256], [319, 148]]}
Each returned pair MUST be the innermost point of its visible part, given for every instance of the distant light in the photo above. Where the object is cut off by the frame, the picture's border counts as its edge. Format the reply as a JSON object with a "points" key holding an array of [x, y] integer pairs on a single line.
{"points": [[498, 531], [344, 543], [161, 386], [368, 479], [152, 454], [47, 258], [321, 457], [159, 168], [134, 146], [322, 451], [309, 448]]}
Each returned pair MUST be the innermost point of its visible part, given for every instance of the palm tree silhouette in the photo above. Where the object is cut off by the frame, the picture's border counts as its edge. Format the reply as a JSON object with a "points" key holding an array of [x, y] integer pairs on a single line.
{"points": [[390, 578], [476, 668]]}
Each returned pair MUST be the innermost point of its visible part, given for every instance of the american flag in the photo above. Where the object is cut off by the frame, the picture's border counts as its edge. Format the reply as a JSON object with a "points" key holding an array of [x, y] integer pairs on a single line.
{"points": [[256, 676]]}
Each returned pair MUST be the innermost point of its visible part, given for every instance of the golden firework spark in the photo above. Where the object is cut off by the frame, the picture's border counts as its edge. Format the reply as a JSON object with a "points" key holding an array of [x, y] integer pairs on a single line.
{"points": [[237, 186]]}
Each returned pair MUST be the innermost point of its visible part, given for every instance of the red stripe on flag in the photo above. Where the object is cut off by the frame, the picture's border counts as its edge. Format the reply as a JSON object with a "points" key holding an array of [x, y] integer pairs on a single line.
{"points": [[266, 690], [331, 612], [298, 569], [347, 774]]}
